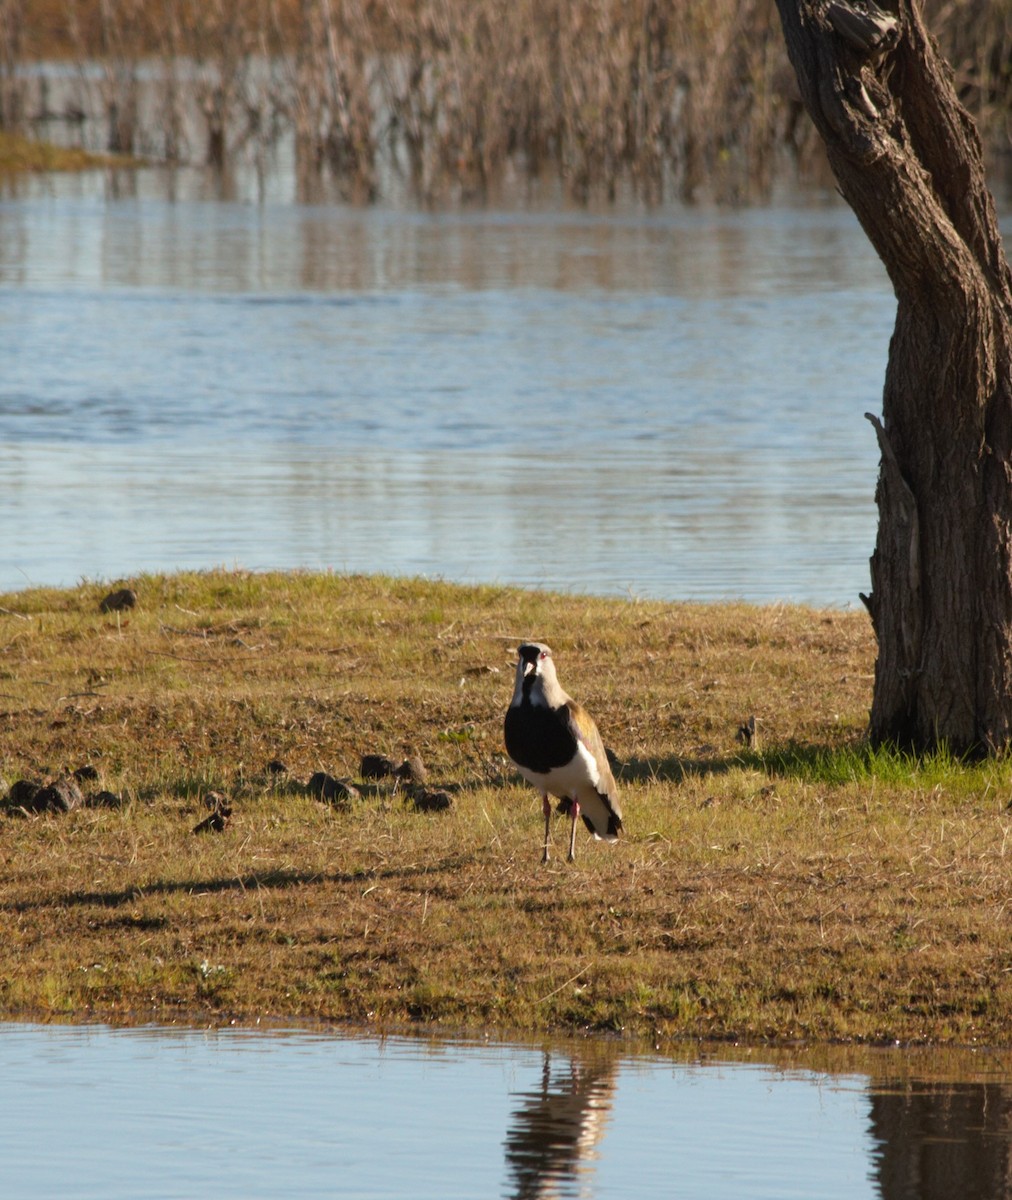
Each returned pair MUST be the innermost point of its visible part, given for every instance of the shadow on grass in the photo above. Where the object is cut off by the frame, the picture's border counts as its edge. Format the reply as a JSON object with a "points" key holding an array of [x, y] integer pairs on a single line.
{"points": [[793, 761], [235, 883]]}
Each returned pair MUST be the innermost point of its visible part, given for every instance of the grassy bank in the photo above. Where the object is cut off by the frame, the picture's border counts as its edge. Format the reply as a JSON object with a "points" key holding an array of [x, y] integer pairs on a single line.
{"points": [[801, 888], [19, 153]]}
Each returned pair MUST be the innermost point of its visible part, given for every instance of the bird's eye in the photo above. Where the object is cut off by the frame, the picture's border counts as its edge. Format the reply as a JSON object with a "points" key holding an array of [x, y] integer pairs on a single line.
{"points": [[543, 654]]}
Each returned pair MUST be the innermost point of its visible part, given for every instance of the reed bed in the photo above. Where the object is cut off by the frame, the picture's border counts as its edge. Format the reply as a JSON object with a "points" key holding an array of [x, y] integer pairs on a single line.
{"points": [[451, 96]]}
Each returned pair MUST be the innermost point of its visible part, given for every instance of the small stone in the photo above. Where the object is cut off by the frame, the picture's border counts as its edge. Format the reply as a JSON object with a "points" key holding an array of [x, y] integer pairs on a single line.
{"points": [[748, 734], [412, 770], [119, 600], [215, 823], [335, 791], [277, 767], [104, 799], [86, 773], [432, 801], [221, 811], [22, 794], [375, 766], [61, 796]]}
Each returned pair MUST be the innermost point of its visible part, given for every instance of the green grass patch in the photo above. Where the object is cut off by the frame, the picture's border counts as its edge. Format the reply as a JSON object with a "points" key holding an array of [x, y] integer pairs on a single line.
{"points": [[863, 763]]}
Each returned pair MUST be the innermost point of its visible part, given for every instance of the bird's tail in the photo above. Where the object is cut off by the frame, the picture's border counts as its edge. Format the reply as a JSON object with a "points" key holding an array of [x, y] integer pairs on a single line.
{"points": [[600, 814]]}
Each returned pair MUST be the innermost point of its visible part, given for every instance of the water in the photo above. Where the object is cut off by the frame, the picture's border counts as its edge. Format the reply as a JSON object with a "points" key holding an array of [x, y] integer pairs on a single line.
{"points": [[664, 403], [95, 1112]]}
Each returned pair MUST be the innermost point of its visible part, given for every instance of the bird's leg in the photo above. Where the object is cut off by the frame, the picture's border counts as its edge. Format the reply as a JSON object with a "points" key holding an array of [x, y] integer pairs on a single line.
{"points": [[574, 812], [547, 809]]}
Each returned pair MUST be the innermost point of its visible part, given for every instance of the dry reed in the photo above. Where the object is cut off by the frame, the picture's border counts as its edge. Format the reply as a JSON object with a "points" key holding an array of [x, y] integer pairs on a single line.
{"points": [[669, 98]]}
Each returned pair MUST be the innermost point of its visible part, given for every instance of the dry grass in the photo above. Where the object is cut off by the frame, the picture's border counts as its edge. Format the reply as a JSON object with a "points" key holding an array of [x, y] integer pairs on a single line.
{"points": [[25, 154], [807, 889]]}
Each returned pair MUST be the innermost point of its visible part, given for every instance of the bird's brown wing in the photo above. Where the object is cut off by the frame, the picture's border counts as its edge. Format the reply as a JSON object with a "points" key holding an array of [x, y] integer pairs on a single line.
{"points": [[585, 729], [603, 816]]}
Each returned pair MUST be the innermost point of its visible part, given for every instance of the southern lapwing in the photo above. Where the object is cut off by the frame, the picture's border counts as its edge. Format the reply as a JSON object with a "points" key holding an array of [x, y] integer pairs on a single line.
{"points": [[555, 745]]}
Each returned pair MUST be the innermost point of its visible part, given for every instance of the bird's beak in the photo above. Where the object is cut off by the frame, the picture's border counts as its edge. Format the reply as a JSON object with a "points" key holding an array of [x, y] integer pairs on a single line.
{"points": [[529, 668]]}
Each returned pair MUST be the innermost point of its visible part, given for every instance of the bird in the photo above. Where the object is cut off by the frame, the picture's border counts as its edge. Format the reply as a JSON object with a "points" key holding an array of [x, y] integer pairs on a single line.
{"points": [[554, 743]]}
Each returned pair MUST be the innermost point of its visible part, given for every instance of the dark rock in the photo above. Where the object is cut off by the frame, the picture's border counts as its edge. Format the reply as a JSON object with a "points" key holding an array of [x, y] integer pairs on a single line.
{"points": [[118, 601], [215, 823], [221, 811], [61, 796], [22, 794], [375, 766], [335, 791], [86, 773], [747, 734], [432, 801], [320, 784], [104, 799], [277, 767], [412, 770]]}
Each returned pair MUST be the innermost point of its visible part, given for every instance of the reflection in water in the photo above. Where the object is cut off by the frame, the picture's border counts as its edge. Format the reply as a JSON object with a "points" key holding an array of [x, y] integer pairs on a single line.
{"points": [[943, 1140], [462, 395], [322, 1113], [553, 1135]]}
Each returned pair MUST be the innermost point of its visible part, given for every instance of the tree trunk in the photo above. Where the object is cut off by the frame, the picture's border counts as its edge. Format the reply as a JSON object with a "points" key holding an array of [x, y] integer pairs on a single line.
{"points": [[908, 160]]}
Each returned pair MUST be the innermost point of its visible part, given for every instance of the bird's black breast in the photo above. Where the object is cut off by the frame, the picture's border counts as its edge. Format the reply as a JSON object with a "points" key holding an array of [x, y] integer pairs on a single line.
{"points": [[539, 738]]}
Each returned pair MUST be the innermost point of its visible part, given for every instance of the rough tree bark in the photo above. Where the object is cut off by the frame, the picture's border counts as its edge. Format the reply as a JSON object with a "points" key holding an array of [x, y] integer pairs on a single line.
{"points": [[908, 160]]}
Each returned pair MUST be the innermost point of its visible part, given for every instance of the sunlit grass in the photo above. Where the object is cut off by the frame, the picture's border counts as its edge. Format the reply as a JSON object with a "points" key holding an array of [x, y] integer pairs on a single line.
{"points": [[809, 886], [886, 764]]}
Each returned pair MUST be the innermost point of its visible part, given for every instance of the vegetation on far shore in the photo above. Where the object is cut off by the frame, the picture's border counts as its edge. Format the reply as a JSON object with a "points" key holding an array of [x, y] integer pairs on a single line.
{"points": [[18, 153], [804, 887], [454, 96]]}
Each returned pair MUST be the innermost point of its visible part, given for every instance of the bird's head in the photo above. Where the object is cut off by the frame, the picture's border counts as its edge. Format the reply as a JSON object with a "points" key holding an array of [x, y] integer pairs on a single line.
{"points": [[532, 659], [536, 678]]}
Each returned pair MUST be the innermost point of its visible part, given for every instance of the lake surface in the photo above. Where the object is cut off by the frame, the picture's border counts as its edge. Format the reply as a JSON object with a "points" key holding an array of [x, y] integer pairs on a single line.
{"points": [[664, 403], [145, 1113]]}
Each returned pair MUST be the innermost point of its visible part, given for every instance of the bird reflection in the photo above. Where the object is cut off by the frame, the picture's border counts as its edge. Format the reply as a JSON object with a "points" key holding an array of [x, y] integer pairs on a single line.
{"points": [[553, 1134]]}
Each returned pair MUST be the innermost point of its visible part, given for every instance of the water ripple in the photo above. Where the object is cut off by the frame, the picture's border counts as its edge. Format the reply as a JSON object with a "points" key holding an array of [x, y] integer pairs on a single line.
{"points": [[668, 406]]}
